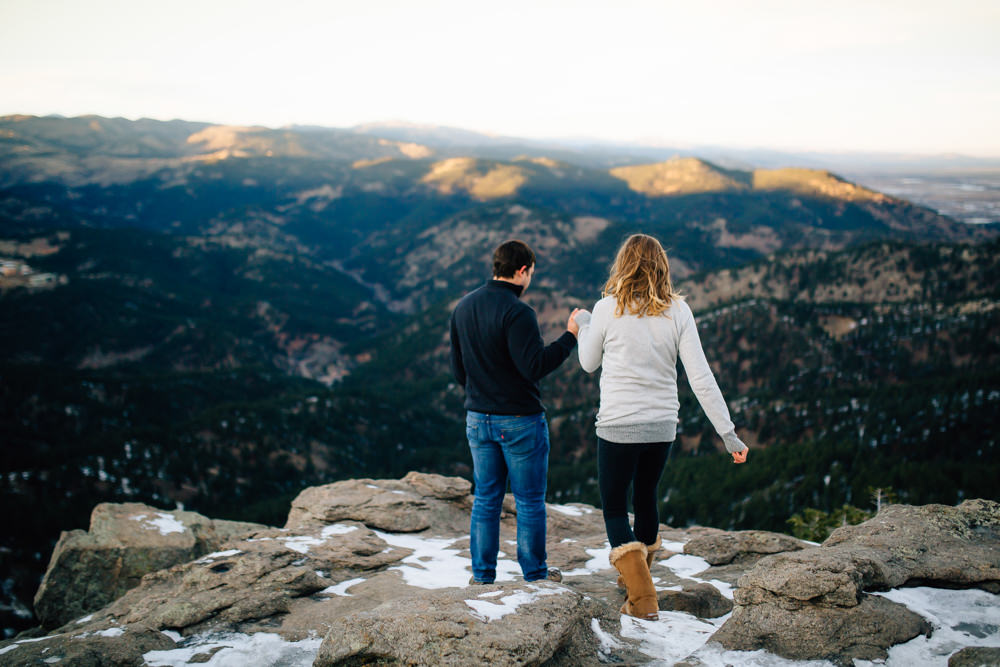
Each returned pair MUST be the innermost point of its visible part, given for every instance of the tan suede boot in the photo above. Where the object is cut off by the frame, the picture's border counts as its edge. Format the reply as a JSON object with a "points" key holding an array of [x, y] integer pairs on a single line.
{"points": [[651, 550], [640, 598]]}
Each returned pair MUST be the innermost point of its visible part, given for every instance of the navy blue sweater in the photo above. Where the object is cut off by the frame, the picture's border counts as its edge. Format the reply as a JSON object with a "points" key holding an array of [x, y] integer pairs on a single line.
{"points": [[497, 352]]}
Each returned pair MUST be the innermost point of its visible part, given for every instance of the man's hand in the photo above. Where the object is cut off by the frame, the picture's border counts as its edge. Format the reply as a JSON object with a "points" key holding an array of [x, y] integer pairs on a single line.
{"points": [[741, 457], [571, 325]]}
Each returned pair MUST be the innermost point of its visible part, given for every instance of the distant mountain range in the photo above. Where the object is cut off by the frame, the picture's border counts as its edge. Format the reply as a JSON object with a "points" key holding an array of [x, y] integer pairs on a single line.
{"points": [[345, 197], [612, 153], [220, 316]]}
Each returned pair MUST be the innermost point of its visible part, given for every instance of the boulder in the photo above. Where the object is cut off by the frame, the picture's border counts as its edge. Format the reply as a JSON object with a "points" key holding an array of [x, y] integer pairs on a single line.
{"points": [[701, 600], [91, 647], [839, 634], [125, 541], [522, 624], [438, 486], [929, 545], [814, 603], [412, 504], [976, 656], [743, 546]]}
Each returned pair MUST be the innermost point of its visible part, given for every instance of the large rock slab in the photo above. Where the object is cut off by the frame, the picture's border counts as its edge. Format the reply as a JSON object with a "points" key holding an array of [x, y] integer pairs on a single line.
{"points": [[515, 624], [932, 544], [412, 504], [814, 603], [125, 542], [743, 546], [254, 579]]}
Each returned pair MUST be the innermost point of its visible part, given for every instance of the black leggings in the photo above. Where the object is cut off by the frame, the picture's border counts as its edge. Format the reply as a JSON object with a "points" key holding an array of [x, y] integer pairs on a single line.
{"points": [[640, 465]]}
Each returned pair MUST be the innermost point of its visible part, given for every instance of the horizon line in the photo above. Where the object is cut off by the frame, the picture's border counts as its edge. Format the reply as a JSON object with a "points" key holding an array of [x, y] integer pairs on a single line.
{"points": [[565, 141]]}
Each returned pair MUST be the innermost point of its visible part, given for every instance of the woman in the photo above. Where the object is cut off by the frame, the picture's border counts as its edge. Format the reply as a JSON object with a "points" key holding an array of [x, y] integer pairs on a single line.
{"points": [[636, 333]]}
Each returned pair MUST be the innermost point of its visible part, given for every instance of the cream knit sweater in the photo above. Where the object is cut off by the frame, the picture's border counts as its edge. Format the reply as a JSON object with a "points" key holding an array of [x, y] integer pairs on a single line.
{"points": [[639, 376]]}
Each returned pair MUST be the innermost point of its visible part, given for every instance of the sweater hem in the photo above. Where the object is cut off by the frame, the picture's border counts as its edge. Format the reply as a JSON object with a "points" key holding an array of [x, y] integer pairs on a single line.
{"points": [[665, 431]]}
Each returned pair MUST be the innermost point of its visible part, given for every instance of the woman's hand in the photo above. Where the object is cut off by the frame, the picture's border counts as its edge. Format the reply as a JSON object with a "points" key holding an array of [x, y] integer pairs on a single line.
{"points": [[571, 324], [735, 446]]}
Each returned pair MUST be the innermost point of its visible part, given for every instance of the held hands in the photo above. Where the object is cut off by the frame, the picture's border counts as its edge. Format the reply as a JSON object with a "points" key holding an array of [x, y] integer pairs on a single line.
{"points": [[741, 457], [571, 325]]}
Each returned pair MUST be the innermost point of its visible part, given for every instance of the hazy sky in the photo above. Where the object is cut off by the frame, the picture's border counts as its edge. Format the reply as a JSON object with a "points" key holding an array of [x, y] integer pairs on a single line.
{"points": [[911, 76]]}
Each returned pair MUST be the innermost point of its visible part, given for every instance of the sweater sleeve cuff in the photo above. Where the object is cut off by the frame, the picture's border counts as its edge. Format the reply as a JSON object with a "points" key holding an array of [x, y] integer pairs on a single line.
{"points": [[733, 443]]}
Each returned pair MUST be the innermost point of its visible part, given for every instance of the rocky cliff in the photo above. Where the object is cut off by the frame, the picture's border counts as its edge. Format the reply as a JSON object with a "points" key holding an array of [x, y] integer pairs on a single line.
{"points": [[376, 571]]}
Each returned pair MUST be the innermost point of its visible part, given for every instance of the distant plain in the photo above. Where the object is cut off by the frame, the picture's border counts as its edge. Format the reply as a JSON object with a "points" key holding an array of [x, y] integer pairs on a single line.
{"points": [[967, 196]]}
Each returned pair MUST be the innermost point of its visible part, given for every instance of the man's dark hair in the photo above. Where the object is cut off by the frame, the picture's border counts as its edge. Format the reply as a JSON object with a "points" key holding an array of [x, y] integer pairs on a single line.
{"points": [[511, 256]]}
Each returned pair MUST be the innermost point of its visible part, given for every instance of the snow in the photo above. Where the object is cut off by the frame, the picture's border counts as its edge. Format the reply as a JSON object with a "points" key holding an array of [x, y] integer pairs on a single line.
{"points": [[677, 635], [239, 650], [491, 594], [208, 558], [164, 522], [85, 618], [721, 586], [960, 618], [301, 543], [487, 611], [337, 529], [432, 564], [713, 655], [7, 649], [173, 634], [110, 632], [569, 510], [341, 588], [686, 565], [607, 644], [598, 561], [672, 638]]}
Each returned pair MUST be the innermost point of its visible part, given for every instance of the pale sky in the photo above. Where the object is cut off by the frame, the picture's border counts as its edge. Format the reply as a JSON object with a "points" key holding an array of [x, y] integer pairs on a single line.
{"points": [[909, 76]]}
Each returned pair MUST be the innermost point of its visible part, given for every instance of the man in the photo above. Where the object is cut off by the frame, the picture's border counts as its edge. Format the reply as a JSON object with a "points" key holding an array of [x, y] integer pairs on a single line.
{"points": [[498, 355]]}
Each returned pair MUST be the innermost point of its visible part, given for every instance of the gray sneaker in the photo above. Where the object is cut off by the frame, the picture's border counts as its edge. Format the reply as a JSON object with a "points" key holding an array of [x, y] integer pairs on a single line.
{"points": [[554, 574], [475, 582]]}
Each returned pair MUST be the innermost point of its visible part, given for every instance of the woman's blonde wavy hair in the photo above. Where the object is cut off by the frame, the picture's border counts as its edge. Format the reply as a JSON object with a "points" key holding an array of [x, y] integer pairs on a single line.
{"points": [[640, 278]]}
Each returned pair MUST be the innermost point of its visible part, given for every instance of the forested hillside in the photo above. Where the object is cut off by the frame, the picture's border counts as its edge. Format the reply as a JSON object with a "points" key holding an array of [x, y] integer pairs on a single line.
{"points": [[220, 317]]}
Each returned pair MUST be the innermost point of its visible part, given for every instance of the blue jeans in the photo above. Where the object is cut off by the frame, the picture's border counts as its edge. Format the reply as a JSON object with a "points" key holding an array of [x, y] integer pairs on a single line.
{"points": [[516, 447]]}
